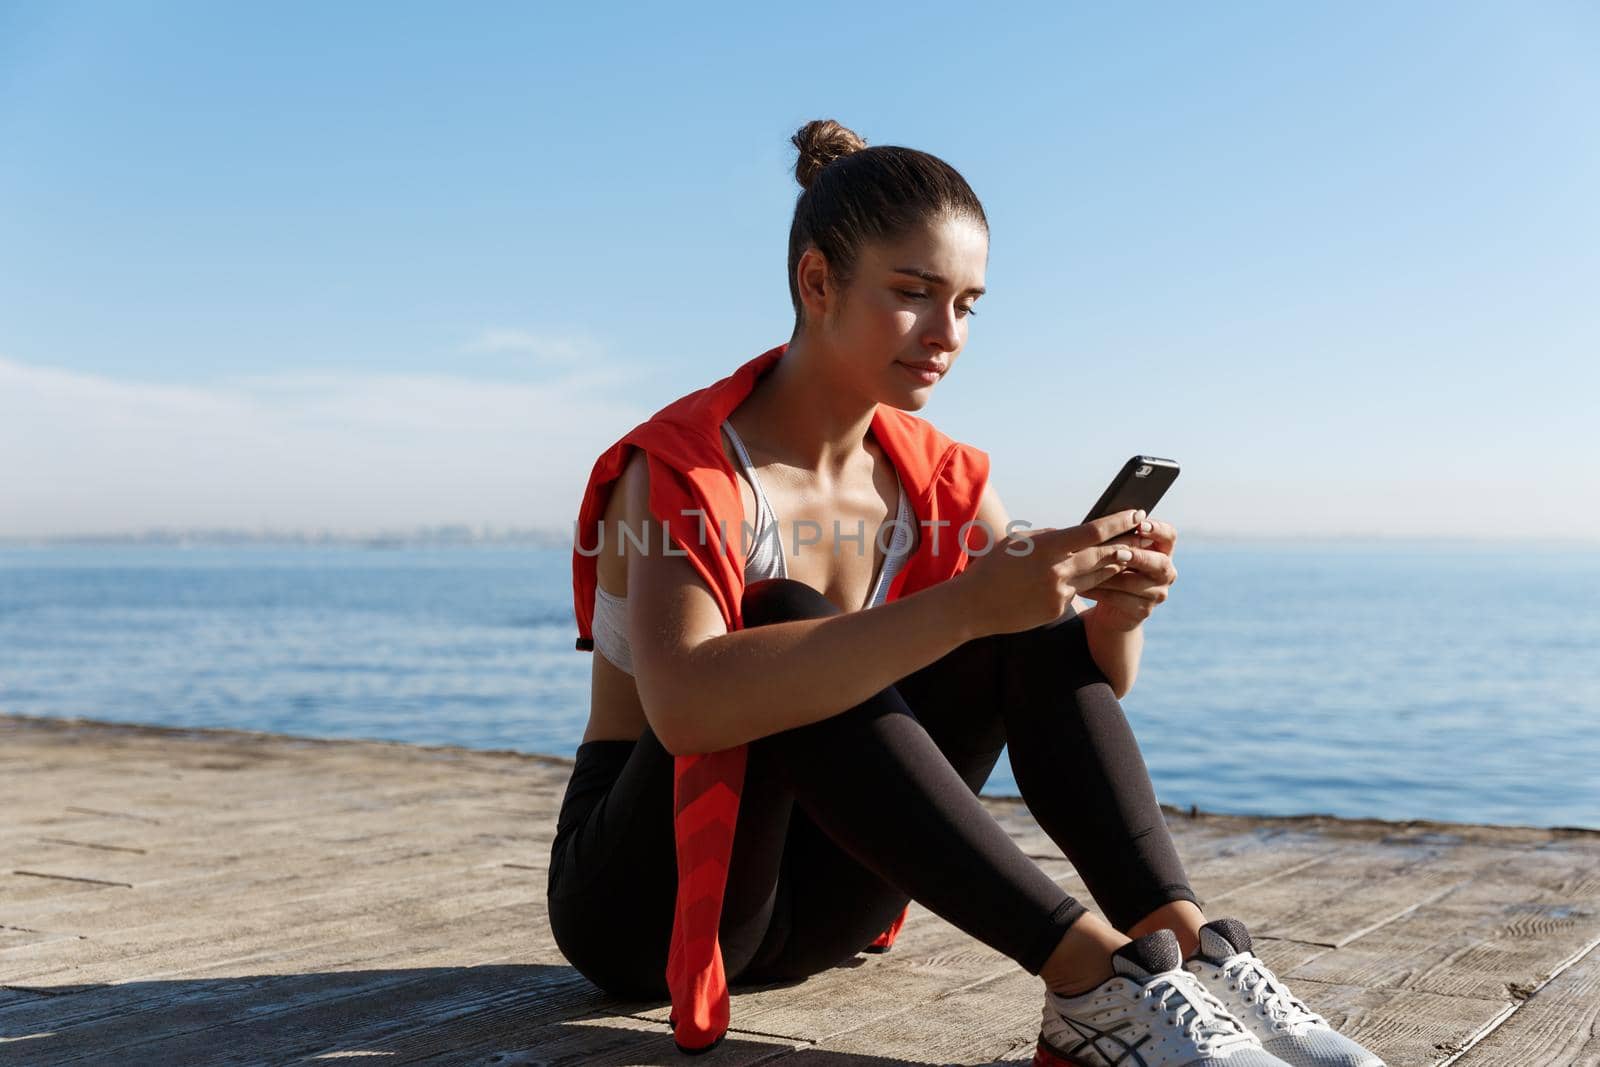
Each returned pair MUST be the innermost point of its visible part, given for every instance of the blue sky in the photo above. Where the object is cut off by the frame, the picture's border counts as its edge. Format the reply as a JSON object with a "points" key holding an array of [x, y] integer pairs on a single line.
{"points": [[362, 266]]}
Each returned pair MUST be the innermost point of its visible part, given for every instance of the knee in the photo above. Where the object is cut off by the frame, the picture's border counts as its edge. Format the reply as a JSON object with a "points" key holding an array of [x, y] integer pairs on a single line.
{"points": [[1062, 644], [781, 599]]}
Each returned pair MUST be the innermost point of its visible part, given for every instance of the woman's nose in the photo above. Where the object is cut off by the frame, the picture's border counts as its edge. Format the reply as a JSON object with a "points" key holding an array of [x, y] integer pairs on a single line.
{"points": [[945, 330]]}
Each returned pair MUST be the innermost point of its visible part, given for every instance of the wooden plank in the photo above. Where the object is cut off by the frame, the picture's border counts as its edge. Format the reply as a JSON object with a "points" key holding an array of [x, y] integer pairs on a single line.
{"points": [[1474, 950], [158, 867], [307, 819], [156, 949], [1335, 900], [301, 998], [294, 861], [17, 936], [402, 1000], [612, 1040], [1220, 859], [1408, 1028], [467, 934], [17, 891], [1558, 1026], [294, 827], [305, 899], [203, 897], [979, 1022]]}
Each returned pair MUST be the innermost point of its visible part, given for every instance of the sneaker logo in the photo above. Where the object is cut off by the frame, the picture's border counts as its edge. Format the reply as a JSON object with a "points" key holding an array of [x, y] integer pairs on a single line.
{"points": [[1090, 1038]]}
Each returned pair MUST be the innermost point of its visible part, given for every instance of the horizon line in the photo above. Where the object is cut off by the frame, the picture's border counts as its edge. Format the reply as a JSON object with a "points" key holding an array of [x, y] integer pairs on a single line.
{"points": [[545, 536]]}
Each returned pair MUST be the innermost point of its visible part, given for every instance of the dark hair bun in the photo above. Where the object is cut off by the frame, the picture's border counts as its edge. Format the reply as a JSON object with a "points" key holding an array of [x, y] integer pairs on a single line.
{"points": [[821, 141]]}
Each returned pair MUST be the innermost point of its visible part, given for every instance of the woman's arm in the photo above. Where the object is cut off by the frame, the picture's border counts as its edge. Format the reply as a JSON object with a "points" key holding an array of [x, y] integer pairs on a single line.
{"points": [[704, 689], [1115, 652]]}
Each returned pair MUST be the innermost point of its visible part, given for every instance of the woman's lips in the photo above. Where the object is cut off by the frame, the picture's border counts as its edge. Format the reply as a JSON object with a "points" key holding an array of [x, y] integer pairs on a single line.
{"points": [[922, 375]]}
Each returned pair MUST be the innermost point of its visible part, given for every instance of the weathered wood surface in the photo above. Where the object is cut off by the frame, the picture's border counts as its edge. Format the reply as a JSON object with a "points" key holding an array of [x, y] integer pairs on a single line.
{"points": [[176, 896]]}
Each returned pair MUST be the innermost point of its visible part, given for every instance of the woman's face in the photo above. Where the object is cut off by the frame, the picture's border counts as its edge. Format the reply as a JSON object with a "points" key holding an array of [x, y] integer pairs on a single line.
{"points": [[908, 303]]}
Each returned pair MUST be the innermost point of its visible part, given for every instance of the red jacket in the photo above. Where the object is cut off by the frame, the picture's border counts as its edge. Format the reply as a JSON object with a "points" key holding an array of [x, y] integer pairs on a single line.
{"points": [[943, 479]]}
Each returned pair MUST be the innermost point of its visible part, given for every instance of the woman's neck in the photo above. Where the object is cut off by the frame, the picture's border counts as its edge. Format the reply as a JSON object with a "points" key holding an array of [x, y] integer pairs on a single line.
{"points": [[806, 416]]}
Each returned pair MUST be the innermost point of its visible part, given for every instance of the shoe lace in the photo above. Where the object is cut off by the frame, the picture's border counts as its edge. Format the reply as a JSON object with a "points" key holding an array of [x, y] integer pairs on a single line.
{"points": [[1260, 986], [1211, 1029]]}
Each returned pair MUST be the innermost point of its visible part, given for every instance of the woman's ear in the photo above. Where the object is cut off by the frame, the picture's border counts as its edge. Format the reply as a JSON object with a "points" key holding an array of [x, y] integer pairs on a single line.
{"points": [[816, 285]]}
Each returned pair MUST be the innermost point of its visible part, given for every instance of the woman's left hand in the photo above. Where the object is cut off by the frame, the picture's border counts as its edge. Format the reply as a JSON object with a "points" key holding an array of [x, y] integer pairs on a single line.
{"points": [[1125, 600]]}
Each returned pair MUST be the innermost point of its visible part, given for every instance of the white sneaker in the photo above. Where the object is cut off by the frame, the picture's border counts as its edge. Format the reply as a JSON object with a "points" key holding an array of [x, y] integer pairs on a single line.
{"points": [[1286, 1025], [1151, 1013]]}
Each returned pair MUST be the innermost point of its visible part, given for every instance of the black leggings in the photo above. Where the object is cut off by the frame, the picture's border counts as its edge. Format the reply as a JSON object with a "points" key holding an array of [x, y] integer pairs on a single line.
{"points": [[843, 821]]}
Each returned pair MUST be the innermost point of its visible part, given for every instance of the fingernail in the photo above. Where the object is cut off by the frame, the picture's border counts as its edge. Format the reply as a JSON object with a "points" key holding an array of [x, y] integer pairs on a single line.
{"points": [[1145, 542], [1144, 527], [1123, 553]]}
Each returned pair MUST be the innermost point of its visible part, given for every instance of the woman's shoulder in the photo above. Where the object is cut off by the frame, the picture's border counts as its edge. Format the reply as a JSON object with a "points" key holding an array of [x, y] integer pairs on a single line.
{"points": [[915, 428], [932, 452]]}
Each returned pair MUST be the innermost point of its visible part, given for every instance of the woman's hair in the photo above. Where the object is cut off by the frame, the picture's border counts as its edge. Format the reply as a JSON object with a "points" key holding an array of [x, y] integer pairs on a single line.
{"points": [[852, 194]]}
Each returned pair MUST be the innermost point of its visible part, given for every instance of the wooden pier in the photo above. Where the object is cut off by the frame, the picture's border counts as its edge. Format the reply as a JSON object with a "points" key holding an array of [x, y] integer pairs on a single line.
{"points": [[174, 896]]}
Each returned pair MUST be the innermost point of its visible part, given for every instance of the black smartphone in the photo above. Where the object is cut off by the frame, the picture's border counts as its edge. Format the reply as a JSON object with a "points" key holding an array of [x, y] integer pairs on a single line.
{"points": [[1142, 482]]}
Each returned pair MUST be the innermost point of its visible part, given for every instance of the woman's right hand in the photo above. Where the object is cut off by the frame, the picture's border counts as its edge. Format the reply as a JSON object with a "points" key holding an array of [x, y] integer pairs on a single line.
{"points": [[1029, 578]]}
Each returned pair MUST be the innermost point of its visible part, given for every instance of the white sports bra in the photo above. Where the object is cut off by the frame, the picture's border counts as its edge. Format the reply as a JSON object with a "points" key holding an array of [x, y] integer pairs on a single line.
{"points": [[764, 560]]}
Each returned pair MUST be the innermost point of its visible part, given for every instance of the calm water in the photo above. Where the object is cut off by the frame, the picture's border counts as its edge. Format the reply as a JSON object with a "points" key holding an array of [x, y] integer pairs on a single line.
{"points": [[1401, 682]]}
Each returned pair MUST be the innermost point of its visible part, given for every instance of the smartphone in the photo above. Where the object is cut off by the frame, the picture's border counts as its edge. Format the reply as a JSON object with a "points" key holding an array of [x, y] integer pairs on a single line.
{"points": [[1142, 482]]}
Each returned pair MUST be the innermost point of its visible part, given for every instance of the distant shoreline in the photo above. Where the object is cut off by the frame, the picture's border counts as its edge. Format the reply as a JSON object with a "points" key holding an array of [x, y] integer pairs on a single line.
{"points": [[469, 537], [427, 537]]}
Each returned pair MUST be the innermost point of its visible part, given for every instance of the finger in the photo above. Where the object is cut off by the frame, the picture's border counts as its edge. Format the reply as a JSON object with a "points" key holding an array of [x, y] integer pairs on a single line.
{"points": [[1164, 534], [1121, 522], [1134, 539], [1156, 564], [1069, 539], [1109, 526], [1152, 533], [1059, 543], [1091, 566]]}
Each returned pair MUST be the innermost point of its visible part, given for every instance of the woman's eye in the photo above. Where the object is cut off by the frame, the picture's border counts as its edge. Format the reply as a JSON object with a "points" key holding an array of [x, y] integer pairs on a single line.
{"points": [[965, 309]]}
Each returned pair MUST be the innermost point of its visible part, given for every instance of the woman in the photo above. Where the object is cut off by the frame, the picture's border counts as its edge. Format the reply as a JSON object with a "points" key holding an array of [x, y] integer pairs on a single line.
{"points": [[787, 737]]}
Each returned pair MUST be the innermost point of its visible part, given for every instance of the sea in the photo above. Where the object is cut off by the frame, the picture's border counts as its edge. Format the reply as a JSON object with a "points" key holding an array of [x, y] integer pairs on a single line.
{"points": [[1393, 680]]}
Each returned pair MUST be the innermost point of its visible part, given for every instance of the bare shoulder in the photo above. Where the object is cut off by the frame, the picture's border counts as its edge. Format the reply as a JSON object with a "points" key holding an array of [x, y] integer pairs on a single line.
{"points": [[670, 607], [628, 504], [633, 490], [991, 512]]}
